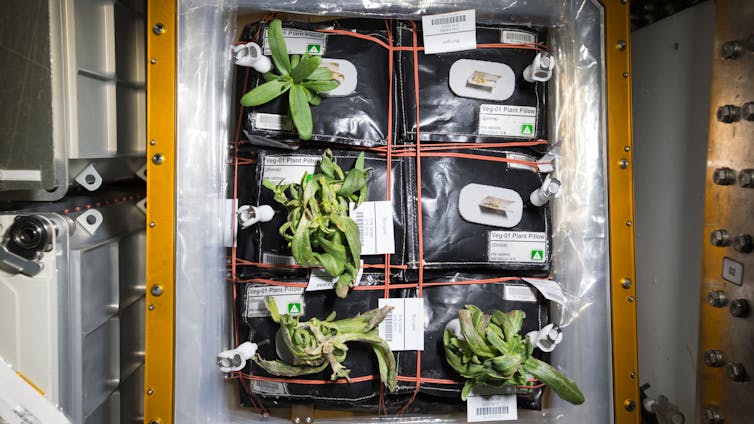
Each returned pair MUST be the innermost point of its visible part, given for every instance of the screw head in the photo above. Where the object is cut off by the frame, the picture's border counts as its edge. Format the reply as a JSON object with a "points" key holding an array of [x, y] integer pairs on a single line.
{"points": [[746, 178], [631, 299], [629, 405], [625, 75], [742, 243], [731, 50], [150, 391], [719, 238], [152, 142], [297, 420], [156, 290], [623, 163], [625, 283], [728, 114], [153, 61], [739, 308], [629, 223], [158, 159], [152, 224], [714, 358], [158, 28], [712, 416], [151, 307], [717, 298], [620, 45], [309, 419], [735, 371], [723, 176]]}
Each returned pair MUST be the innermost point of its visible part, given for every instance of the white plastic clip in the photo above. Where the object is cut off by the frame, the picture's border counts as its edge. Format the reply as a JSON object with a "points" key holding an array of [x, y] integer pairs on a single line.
{"points": [[235, 359], [250, 215], [546, 338], [90, 220], [250, 55], [551, 188], [89, 178], [541, 68]]}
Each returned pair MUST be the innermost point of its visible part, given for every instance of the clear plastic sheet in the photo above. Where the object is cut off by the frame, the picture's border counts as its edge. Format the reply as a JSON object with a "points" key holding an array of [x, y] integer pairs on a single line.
{"points": [[580, 236]]}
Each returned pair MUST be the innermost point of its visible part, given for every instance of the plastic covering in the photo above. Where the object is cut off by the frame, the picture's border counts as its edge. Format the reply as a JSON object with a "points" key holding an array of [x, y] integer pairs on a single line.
{"points": [[579, 217]]}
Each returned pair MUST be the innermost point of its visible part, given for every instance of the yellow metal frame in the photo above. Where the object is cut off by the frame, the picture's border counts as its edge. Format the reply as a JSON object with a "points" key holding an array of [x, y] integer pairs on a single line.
{"points": [[160, 320], [160, 343]]}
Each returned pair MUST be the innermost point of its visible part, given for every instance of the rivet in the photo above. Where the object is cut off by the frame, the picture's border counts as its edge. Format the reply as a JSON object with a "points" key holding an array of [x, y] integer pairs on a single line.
{"points": [[621, 45], [156, 290], [629, 223], [633, 375], [623, 163], [627, 149], [625, 283], [158, 159], [629, 405], [630, 299], [150, 391], [152, 142], [625, 75], [152, 224], [153, 61], [158, 28], [151, 307], [297, 420], [308, 419]]}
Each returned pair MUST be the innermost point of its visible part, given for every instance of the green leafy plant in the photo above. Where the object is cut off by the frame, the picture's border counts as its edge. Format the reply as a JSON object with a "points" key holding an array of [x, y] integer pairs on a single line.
{"points": [[310, 347], [490, 350], [300, 76], [319, 230]]}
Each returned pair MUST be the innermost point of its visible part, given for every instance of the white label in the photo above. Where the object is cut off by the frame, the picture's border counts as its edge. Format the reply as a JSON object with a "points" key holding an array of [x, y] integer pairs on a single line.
{"points": [[269, 387], [733, 271], [517, 247], [289, 169], [20, 175], [516, 293], [375, 221], [491, 408], [274, 259], [403, 327], [299, 42], [449, 32], [520, 157], [517, 37], [289, 300], [508, 121], [319, 279], [272, 121], [550, 289], [22, 403]]}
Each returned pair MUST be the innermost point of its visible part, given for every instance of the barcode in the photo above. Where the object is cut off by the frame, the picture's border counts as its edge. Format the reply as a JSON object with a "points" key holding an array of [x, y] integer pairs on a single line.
{"points": [[358, 217], [492, 410], [511, 37], [268, 387], [520, 293], [272, 121], [272, 259], [388, 326], [448, 20]]}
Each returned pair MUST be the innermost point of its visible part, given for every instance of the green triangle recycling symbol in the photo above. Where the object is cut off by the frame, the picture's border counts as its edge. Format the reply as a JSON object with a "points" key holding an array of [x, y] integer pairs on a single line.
{"points": [[536, 255], [313, 48], [526, 129], [294, 308]]}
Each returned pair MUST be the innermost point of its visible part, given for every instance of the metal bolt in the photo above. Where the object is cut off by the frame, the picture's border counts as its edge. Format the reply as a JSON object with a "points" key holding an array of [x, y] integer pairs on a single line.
{"points": [[158, 159], [731, 50], [297, 420], [714, 358], [625, 283], [630, 299], [150, 391], [152, 224], [621, 45], [158, 28], [629, 223], [633, 375], [623, 1], [629, 405], [151, 307], [723, 176], [736, 371], [742, 243], [627, 148], [713, 416], [739, 308], [156, 290], [625, 75], [717, 298], [719, 238], [153, 61], [152, 142], [623, 163], [308, 419], [728, 114], [746, 178]]}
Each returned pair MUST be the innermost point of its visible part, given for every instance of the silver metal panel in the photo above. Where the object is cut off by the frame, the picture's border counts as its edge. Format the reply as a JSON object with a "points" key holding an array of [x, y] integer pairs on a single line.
{"points": [[671, 70], [100, 364], [99, 285]]}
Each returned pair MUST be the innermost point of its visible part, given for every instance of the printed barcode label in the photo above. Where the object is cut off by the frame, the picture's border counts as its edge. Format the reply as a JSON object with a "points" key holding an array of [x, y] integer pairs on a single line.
{"points": [[491, 408], [403, 328], [448, 20], [299, 42], [319, 279], [449, 32], [517, 37], [375, 222], [272, 121], [519, 294], [269, 387], [273, 259]]}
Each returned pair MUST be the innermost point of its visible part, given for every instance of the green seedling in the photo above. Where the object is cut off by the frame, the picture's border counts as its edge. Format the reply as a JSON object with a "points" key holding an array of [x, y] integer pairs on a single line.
{"points": [[300, 76]]}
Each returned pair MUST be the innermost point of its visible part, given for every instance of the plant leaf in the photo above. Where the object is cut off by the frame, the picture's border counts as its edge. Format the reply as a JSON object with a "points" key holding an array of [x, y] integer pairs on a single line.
{"points": [[264, 93], [278, 47], [329, 263], [295, 59], [319, 86], [305, 67], [564, 387], [468, 388], [300, 111], [322, 73], [301, 245]]}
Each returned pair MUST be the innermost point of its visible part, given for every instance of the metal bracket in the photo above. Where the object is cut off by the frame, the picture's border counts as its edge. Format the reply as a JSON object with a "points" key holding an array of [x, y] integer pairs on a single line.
{"points": [[91, 219], [89, 178]]}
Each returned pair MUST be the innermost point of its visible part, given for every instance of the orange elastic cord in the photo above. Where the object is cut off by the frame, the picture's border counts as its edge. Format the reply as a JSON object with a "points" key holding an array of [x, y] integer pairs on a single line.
{"points": [[308, 382], [357, 35]]}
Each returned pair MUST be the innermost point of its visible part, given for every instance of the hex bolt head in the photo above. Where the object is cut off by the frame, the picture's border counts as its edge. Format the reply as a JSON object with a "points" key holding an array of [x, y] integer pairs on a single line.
{"points": [[739, 308], [746, 178], [728, 114], [736, 371], [156, 290], [713, 416], [731, 50], [717, 298], [724, 176], [747, 111], [719, 238], [158, 28], [742, 243], [714, 358], [626, 283], [629, 405], [158, 159]]}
